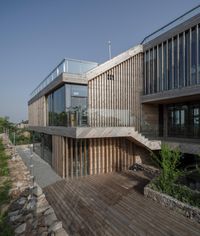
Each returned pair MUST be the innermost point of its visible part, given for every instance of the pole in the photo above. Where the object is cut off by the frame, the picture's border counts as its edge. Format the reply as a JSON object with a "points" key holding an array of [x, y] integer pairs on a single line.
{"points": [[109, 49]]}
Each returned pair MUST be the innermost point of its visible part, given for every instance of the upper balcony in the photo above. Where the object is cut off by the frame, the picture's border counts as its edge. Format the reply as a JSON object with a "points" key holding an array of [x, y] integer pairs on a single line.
{"points": [[70, 66]]}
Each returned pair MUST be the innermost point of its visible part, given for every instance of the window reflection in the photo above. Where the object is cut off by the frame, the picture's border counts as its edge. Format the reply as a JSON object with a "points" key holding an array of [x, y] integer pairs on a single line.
{"points": [[184, 120], [67, 106], [173, 63]]}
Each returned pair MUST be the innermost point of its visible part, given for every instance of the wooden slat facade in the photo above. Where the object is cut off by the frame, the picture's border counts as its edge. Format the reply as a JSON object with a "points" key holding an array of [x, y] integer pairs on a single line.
{"points": [[114, 95], [80, 157], [37, 112]]}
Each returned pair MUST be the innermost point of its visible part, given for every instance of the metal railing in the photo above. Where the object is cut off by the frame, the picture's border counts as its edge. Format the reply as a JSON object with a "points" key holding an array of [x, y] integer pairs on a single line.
{"points": [[70, 66], [194, 11]]}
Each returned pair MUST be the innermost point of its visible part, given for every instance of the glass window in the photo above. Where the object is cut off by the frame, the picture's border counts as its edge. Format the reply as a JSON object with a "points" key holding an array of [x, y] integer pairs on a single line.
{"points": [[194, 57], [67, 106], [187, 58], [155, 70], [160, 67], [147, 72], [184, 120], [181, 65], [175, 63], [165, 66], [151, 71], [199, 52], [170, 64]]}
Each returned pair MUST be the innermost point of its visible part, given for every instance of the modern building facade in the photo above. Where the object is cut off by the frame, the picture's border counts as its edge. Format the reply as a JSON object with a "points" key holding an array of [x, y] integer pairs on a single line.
{"points": [[89, 118]]}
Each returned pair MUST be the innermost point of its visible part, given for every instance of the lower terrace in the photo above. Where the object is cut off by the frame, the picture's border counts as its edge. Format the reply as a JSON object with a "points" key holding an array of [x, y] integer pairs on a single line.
{"points": [[114, 204]]}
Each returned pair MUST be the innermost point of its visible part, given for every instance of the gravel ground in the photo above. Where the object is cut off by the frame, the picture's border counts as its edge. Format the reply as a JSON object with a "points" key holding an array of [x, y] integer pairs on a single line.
{"points": [[44, 174]]}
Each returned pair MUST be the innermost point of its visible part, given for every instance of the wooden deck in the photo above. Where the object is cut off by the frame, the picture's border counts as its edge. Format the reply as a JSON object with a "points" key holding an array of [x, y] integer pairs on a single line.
{"points": [[113, 204]]}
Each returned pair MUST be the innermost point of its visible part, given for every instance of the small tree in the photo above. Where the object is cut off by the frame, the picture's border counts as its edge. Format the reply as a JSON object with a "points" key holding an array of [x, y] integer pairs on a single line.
{"points": [[168, 161]]}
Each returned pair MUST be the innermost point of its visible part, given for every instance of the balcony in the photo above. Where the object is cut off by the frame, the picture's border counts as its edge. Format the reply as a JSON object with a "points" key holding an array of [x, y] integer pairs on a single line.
{"points": [[69, 66]]}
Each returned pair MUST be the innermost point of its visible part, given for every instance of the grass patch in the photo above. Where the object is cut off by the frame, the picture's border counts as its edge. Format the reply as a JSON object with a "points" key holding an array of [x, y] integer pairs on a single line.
{"points": [[5, 185]]}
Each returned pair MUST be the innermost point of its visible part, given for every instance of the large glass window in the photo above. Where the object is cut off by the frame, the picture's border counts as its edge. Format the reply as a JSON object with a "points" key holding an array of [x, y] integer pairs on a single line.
{"points": [[170, 64], [42, 146], [187, 58], [165, 66], [151, 71], [175, 63], [184, 120], [199, 52], [155, 70], [160, 67], [147, 72], [181, 66], [194, 57], [67, 106]]}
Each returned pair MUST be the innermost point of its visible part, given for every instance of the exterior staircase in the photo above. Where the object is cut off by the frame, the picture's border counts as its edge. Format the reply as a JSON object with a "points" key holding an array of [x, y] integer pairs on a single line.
{"points": [[111, 132]]}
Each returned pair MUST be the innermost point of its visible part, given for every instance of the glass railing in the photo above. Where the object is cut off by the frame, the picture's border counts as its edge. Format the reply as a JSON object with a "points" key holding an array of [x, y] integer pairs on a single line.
{"points": [[186, 16], [65, 66]]}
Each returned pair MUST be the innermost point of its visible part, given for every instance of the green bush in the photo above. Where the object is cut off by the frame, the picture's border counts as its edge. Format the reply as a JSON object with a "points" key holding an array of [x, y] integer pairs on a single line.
{"points": [[167, 181], [168, 161]]}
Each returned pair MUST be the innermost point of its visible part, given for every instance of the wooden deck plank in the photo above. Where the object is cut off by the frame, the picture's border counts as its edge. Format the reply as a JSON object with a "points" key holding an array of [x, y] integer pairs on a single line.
{"points": [[113, 204]]}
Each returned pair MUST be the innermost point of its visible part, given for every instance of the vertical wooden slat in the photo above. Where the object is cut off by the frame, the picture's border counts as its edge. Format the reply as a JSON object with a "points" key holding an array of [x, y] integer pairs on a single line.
{"points": [[86, 161], [90, 157], [66, 158], [80, 157]]}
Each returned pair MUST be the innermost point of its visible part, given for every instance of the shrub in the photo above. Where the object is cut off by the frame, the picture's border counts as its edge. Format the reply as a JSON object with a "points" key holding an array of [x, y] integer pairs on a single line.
{"points": [[168, 161]]}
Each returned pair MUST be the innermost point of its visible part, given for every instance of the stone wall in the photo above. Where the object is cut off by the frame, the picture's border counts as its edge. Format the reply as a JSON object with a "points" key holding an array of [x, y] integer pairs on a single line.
{"points": [[29, 213], [172, 203]]}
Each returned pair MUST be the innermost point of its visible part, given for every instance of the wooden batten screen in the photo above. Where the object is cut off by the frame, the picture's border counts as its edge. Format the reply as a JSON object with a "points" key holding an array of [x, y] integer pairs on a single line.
{"points": [[81, 157], [37, 112], [114, 95]]}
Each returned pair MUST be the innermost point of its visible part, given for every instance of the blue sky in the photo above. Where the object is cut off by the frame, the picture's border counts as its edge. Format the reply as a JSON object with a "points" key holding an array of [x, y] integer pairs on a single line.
{"points": [[35, 35]]}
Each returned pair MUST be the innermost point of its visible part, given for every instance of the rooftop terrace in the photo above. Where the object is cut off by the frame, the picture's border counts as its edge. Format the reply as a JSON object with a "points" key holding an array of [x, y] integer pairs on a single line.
{"points": [[69, 66]]}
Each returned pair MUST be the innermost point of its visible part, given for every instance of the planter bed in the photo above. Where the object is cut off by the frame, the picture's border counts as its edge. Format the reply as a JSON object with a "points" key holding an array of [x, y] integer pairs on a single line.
{"points": [[174, 204]]}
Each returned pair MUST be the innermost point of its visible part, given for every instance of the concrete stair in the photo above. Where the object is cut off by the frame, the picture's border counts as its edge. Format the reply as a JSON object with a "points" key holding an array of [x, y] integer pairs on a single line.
{"points": [[128, 132]]}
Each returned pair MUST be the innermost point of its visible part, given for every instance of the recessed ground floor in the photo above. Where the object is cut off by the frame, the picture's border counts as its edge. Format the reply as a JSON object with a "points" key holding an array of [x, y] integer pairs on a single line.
{"points": [[71, 157], [114, 204]]}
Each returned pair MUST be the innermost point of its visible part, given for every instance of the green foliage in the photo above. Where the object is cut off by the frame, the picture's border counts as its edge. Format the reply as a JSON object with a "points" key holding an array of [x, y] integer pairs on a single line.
{"points": [[3, 161], [170, 174], [4, 192], [5, 185], [168, 161], [20, 138], [5, 228]]}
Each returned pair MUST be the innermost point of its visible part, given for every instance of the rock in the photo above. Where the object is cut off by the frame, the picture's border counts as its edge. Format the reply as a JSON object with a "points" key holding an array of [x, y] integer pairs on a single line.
{"points": [[44, 234], [13, 213], [41, 208], [49, 211], [15, 218], [31, 205], [20, 229], [50, 219], [55, 226], [37, 191], [21, 201], [35, 223], [29, 216], [61, 232], [42, 230]]}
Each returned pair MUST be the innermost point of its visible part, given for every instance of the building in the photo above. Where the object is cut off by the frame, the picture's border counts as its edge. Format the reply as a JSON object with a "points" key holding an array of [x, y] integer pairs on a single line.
{"points": [[89, 118]]}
